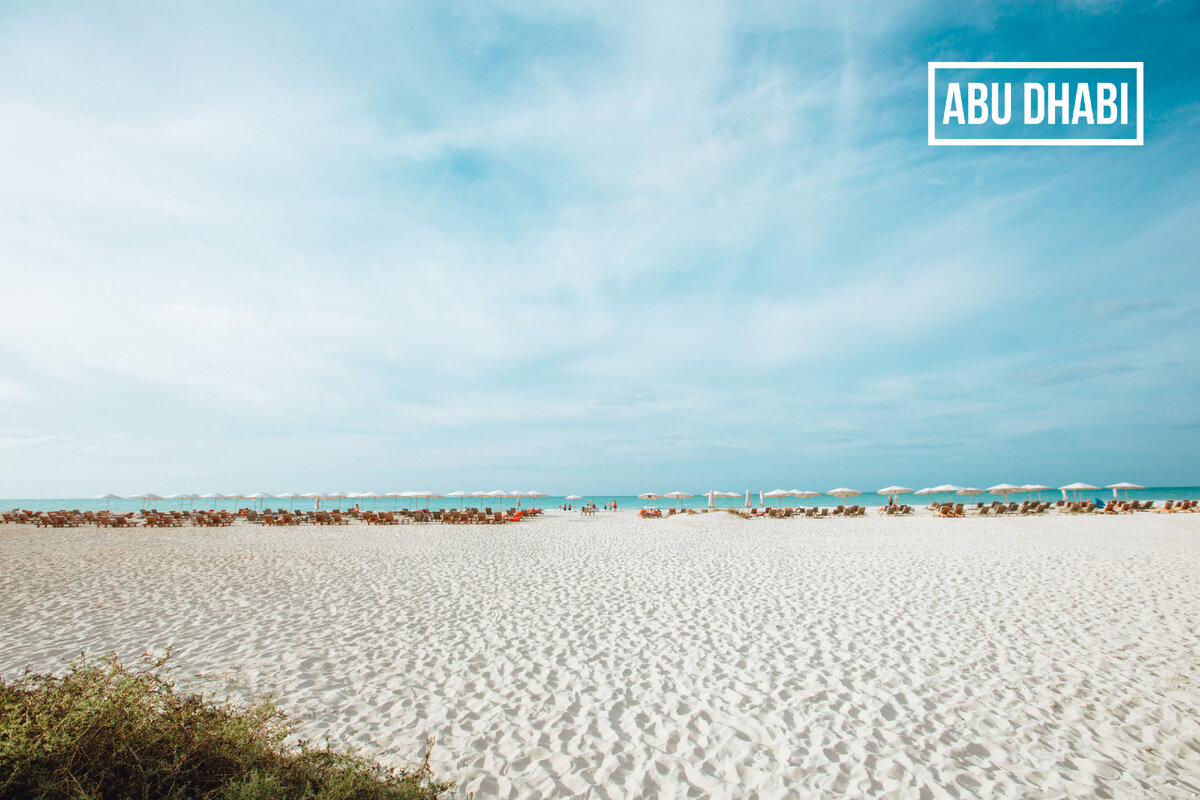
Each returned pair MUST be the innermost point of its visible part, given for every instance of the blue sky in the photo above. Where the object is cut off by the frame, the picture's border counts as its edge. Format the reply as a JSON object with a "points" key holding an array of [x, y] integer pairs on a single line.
{"points": [[582, 247]]}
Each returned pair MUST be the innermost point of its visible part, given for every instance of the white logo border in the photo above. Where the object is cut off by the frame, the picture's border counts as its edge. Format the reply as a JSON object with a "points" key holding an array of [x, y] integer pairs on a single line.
{"points": [[936, 65]]}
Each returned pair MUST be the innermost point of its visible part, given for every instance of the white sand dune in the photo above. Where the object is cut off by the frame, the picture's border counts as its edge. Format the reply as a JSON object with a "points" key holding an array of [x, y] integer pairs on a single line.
{"points": [[705, 656]]}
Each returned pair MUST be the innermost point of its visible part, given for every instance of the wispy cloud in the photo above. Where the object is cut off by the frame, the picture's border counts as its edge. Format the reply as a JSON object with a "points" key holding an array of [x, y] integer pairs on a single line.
{"points": [[580, 245]]}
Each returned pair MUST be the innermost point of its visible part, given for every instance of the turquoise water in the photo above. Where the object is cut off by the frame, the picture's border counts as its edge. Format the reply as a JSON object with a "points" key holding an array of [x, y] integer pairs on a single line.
{"points": [[623, 501]]}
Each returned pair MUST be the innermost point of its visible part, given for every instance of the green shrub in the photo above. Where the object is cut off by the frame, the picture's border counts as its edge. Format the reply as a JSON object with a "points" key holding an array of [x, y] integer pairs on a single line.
{"points": [[105, 731]]}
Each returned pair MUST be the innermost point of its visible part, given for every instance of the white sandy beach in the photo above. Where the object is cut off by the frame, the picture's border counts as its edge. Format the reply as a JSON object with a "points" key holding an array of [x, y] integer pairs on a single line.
{"points": [[700, 656]]}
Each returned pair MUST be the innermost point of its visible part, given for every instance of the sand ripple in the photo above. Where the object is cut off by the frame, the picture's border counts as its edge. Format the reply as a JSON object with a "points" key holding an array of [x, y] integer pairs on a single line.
{"points": [[698, 657]]}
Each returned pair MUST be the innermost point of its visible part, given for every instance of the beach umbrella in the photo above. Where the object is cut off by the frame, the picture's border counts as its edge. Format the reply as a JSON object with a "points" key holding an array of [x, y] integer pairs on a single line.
{"points": [[1125, 486], [573, 497], [677, 496], [843, 493], [423, 494], [946, 489], [291, 498], [460, 494], [108, 498], [180, 496], [316, 497], [747, 498], [712, 495], [145, 497], [803, 493], [258, 497], [969, 491], [650, 496], [213, 496], [1036, 487], [893, 490], [777, 493], [496, 493], [534, 495], [1077, 488], [372, 496], [1005, 489]]}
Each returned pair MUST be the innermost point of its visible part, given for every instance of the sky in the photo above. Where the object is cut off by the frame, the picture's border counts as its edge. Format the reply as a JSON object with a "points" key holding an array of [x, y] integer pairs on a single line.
{"points": [[582, 247]]}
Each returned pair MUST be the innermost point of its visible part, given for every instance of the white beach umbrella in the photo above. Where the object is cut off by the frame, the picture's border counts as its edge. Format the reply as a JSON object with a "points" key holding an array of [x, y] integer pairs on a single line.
{"points": [[316, 497], [843, 493], [650, 496], [573, 497], [258, 497], [1077, 488], [677, 496], [889, 490], [775, 494], [747, 498], [181, 496], [460, 494], [145, 497], [712, 495], [291, 497], [108, 498], [1123, 485], [535, 495], [213, 496], [969, 491], [803, 493], [946, 489], [1036, 487], [1005, 489]]}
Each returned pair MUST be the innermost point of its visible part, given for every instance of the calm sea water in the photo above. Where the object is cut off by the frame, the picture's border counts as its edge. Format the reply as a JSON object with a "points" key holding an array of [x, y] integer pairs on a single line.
{"points": [[623, 501]]}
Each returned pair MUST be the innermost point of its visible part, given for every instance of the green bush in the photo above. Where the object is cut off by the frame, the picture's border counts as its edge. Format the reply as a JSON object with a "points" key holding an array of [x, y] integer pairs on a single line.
{"points": [[105, 731]]}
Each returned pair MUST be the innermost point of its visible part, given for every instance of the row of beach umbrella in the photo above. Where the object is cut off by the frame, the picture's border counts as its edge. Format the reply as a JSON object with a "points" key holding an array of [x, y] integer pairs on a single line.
{"points": [[319, 496], [947, 489]]}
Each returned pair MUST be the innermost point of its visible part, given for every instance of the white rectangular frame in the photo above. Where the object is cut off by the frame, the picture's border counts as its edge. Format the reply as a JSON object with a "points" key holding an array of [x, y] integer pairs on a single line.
{"points": [[936, 65]]}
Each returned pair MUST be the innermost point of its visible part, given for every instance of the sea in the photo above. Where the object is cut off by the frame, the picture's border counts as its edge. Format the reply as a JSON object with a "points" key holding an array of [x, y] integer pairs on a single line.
{"points": [[698, 501]]}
